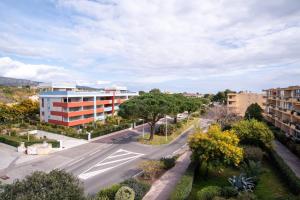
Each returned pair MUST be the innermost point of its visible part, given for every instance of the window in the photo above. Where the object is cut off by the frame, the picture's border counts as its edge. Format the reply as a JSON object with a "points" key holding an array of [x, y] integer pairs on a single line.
{"points": [[42, 102]]}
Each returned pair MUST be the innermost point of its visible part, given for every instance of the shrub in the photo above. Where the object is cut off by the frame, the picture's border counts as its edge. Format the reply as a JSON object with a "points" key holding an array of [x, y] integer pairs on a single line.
{"points": [[246, 196], [109, 192], [254, 132], [162, 129], [253, 153], [139, 187], [185, 184], [242, 183], [228, 192], [103, 130], [125, 193], [292, 181], [219, 198], [13, 133], [151, 168], [209, 192], [252, 169], [57, 184], [168, 163]]}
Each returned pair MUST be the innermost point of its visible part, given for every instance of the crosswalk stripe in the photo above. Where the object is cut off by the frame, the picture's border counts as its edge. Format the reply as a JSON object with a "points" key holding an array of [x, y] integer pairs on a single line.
{"points": [[98, 168]]}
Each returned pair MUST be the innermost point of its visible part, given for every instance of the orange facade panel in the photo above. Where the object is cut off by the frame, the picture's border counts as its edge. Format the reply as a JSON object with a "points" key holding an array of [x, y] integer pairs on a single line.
{"points": [[72, 123], [73, 104], [81, 103], [99, 110], [102, 102]]}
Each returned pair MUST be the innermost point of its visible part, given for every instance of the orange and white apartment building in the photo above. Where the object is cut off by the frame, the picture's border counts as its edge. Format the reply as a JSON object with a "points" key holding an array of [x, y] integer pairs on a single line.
{"points": [[283, 109], [67, 105]]}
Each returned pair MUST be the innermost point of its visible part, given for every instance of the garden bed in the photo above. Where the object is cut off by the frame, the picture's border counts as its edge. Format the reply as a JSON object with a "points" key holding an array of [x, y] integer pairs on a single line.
{"points": [[161, 139], [270, 185]]}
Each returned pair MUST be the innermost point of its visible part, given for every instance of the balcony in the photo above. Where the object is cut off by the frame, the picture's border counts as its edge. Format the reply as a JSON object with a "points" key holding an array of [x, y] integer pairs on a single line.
{"points": [[72, 114], [296, 135]]}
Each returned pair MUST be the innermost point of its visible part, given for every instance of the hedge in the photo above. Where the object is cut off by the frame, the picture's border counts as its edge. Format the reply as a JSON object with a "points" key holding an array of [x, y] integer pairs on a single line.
{"points": [[140, 189], [9, 141], [15, 142], [292, 181], [283, 139], [184, 186], [108, 129]]}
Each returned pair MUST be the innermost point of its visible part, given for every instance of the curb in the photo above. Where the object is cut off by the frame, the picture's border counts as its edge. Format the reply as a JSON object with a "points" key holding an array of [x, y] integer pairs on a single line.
{"points": [[113, 133]]}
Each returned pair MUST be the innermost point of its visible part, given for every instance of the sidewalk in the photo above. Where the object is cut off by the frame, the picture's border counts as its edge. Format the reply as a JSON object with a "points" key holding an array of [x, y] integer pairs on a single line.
{"points": [[290, 159], [162, 188]]}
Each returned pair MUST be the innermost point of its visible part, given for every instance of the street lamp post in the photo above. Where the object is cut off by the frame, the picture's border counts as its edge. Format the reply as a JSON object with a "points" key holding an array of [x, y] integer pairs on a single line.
{"points": [[166, 129], [143, 129]]}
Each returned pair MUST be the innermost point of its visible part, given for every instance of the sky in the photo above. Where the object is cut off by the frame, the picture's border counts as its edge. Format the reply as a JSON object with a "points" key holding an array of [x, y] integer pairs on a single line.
{"points": [[175, 45]]}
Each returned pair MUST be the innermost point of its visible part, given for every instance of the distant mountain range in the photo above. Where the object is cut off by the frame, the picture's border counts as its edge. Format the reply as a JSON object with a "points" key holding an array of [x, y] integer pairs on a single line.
{"points": [[15, 82], [5, 81]]}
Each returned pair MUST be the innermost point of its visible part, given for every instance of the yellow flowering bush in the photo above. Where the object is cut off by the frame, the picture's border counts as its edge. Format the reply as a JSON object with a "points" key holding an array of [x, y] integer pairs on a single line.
{"points": [[216, 147]]}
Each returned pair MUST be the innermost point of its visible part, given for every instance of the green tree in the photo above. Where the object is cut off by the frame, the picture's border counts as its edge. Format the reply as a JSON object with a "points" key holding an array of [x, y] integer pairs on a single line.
{"points": [[254, 111], [155, 90], [176, 105], [254, 132], [216, 148], [141, 92], [55, 185], [151, 107], [221, 96]]}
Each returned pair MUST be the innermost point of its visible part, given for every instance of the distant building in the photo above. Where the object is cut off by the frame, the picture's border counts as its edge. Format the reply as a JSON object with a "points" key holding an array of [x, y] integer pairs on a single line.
{"points": [[68, 106], [186, 94], [239, 102], [34, 98], [283, 109]]}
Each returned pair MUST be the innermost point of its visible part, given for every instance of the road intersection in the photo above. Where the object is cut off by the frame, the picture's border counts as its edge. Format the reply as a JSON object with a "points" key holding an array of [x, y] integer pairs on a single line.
{"points": [[102, 162]]}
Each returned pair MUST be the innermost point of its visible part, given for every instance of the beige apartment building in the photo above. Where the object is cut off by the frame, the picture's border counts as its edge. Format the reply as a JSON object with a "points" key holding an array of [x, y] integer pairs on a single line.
{"points": [[238, 102], [283, 109]]}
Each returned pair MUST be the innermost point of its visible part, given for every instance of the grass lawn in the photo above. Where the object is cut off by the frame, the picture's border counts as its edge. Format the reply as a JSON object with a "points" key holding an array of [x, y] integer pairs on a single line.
{"points": [[159, 140], [214, 178], [269, 187]]}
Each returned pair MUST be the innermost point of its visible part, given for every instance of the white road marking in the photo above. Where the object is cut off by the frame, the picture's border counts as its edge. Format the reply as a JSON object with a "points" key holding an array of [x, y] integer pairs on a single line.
{"points": [[72, 163], [119, 155], [95, 152], [105, 164]]}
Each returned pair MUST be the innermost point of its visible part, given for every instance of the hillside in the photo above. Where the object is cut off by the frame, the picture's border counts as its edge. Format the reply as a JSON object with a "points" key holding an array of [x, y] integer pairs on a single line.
{"points": [[15, 94], [6, 81]]}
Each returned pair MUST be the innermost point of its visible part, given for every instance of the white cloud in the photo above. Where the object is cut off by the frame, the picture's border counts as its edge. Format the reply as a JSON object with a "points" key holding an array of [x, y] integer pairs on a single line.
{"points": [[187, 37], [43, 73], [160, 41]]}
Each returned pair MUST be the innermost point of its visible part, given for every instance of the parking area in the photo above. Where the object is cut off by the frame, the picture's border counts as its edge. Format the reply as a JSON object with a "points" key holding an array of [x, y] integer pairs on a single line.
{"points": [[67, 142]]}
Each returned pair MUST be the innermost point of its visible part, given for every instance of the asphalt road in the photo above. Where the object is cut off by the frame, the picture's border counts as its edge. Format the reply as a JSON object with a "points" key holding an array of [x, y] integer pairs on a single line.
{"points": [[102, 162]]}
